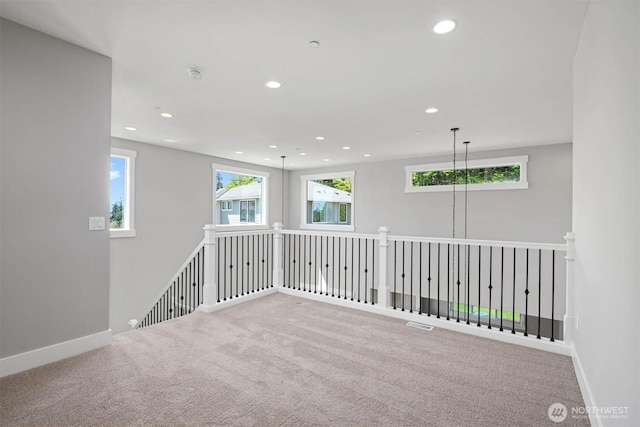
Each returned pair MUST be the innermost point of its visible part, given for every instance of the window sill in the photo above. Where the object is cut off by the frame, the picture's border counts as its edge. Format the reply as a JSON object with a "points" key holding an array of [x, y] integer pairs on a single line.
{"points": [[248, 227], [327, 227], [115, 234]]}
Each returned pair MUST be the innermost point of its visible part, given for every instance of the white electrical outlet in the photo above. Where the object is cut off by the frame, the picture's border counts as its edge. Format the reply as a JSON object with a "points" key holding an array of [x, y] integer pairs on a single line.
{"points": [[96, 223]]}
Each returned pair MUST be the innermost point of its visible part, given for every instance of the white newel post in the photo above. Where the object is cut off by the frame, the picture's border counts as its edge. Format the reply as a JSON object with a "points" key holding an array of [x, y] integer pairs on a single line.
{"points": [[210, 291], [382, 278], [277, 255], [569, 320]]}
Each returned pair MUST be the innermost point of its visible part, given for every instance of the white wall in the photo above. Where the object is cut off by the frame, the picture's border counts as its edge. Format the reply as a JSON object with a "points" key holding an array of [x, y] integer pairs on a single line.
{"points": [[606, 204], [541, 213], [173, 201], [56, 121]]}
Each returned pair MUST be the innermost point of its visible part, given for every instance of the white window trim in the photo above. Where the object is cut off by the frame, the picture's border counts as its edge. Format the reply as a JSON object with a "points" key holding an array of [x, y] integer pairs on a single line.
{"points": [[265, 198], [494, 162], [129, 229], [303, 199]]}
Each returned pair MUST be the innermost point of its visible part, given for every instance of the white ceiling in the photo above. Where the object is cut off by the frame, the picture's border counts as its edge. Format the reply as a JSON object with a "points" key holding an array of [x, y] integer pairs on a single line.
{"points": [[504, 76]]}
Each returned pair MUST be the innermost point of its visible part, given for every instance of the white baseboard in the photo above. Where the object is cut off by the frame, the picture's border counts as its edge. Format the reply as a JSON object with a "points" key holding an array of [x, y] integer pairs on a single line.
{"points": [[235, 301], [585, 389], [42, 356]]}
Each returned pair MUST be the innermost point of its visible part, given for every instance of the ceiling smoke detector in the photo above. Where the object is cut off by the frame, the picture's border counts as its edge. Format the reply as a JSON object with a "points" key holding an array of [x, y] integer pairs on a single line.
{"points": [[194, 73]]}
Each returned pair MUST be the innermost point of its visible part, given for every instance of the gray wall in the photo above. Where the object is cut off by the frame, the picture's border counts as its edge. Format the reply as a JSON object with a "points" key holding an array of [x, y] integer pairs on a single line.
{"points": [[56, 121], [541, 213], [173, 201], [606, 204]]}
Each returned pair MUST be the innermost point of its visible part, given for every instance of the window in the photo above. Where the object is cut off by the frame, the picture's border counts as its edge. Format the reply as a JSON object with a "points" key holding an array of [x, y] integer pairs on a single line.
{"points": [[327, 201], [488, 174], [121, 192], [248, 211], [240, 198]]}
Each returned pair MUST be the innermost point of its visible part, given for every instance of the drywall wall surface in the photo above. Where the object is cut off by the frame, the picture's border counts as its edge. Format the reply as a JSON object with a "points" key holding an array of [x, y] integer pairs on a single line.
{"points": [[606, 213], [55, 137]]}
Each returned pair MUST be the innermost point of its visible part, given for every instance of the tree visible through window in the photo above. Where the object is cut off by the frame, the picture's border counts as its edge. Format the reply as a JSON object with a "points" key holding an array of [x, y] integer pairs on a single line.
{"points": [[474, 176], [121, 192], [486, 174]]}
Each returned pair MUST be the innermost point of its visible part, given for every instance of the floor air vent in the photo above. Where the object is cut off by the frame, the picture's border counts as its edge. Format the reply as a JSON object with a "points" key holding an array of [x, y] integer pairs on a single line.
{"points": [[422, 326]]}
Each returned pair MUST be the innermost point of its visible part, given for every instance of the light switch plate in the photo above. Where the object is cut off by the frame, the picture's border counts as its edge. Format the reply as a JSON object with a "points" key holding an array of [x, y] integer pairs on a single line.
{"points": [[96, 223]]}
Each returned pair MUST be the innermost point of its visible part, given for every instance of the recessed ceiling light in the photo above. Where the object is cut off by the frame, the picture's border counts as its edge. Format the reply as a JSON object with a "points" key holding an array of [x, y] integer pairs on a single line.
{"points": [[238, 152], [169, 140], [367, 155], [320, 138], [267, 158], [416, 132], [273, 84], [326, 160], [273, 146], [346, 148], [167, 115], [303, 154], [130, 128], [431, 110], [444, 27], [313, 44]]}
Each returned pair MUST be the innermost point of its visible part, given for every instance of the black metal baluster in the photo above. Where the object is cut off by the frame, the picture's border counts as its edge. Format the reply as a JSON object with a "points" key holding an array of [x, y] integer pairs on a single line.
{"points": [[308, 262], [333, 268], [410, 280], [553, 292], [479, 281], [253, 258], [502, 288], [189, 286], [429, 282], [339, 259], [353, 267], [366, 269], [242, 265], [327, 269], [513, 303], [490, 280], [526, 295], [264, 278], [300, 261], [448, 278], [539, 289], [238, 268], [458, 286], [395, 268], [468, 278], [373, 270], [420, 278], [438, 307], [359, 266], [231, 267]]}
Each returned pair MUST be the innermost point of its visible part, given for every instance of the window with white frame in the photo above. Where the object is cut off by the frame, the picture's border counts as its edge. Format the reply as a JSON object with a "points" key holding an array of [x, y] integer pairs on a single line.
{"points": [[505, 173], [121, 192], [240, 198], [327, 201]]}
